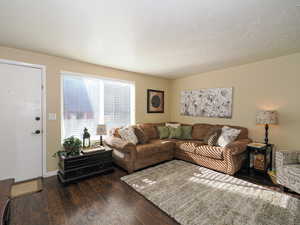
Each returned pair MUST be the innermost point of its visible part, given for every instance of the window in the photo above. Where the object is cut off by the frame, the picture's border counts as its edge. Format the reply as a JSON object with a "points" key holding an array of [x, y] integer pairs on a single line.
{"points": [[88, 102]]}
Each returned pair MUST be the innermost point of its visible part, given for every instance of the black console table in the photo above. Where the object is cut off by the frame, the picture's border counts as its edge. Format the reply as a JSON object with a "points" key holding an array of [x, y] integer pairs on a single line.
{"points": [[73, 168]]}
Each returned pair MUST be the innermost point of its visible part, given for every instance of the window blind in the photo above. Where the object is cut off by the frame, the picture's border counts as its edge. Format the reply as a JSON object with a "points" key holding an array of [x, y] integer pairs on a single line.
{"points": [[88, 102]]}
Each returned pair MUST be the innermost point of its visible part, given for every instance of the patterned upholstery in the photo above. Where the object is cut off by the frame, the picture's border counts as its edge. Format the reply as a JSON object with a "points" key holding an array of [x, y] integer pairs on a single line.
{"points": [[288, 169], [213, 139], [210, 151], [188, 146], [127, 134], [215, 164], [227, 160]]}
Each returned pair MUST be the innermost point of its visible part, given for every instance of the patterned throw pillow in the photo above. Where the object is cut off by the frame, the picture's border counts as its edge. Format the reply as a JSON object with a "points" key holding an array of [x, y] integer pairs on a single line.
{"points": [[213, 139], [186, 132], [210, 132], [141, 136], [115, 132], [163, 132], [227, 136], [175, 132], [127, 134]]}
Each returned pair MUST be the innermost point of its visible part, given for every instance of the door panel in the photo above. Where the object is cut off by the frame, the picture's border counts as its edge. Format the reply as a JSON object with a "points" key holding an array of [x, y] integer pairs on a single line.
{"points": [[20, 104]]}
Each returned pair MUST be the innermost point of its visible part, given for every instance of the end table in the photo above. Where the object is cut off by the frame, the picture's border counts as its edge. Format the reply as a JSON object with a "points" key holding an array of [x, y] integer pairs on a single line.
{"points": [[262, 157]]}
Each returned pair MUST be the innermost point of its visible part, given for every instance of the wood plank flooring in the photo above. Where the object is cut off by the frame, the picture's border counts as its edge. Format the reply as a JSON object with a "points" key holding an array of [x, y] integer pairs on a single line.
{"points": [[100, 200]]}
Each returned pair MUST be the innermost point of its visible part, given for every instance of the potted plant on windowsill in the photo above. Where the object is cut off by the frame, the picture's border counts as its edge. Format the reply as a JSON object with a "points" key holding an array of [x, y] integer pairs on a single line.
{"points": [[72, 146]]}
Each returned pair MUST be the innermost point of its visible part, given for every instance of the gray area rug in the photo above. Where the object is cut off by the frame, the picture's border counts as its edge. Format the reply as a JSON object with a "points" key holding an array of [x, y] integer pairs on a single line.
{"points": [[195, 195]]}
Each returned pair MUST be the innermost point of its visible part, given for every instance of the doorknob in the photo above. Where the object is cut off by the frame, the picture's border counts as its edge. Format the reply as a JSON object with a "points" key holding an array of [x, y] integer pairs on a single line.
{"points": [[37, 118], [36, 132]]}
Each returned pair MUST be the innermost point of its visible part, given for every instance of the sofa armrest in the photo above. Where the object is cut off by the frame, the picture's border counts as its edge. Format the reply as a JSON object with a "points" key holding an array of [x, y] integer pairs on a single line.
{"points": [[238, 146], [119, 144], [286, 158]]}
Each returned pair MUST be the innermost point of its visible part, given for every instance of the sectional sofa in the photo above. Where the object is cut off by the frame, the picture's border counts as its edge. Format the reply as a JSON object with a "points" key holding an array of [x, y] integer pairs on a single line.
{"points": [[132, 157]]}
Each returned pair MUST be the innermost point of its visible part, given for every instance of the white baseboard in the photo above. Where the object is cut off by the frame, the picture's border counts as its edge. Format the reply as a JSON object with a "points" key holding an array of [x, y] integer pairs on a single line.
{"points": [[50, 173]]}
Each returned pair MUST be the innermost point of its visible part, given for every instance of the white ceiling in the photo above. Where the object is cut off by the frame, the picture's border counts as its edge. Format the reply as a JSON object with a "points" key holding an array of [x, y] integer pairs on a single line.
{"points": [[168, 38]]}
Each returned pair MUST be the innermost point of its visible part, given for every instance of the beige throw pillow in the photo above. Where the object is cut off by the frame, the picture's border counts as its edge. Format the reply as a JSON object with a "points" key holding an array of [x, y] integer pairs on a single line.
{"points": [[227, 136], [127, 134]]}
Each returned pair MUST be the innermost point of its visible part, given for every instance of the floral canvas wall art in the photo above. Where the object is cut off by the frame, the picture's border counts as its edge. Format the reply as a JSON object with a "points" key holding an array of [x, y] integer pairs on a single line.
{"points": [[211, 102]]}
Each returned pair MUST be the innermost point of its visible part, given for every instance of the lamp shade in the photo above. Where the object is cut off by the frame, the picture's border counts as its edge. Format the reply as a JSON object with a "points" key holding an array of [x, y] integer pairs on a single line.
{"points": [[267, 117], [101, 129]]}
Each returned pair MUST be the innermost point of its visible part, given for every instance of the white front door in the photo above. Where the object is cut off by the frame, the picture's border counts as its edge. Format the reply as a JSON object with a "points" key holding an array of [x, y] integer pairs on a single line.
{"points": [[20, 122]]}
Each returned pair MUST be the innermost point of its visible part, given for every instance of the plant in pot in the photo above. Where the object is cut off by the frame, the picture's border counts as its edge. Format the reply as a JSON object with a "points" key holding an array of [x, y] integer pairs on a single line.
{"points": [[72, 146]]}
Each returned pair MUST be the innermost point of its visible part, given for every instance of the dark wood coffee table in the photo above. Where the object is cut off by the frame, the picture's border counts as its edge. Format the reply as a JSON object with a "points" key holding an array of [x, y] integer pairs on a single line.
{"points": [[74, 168]]}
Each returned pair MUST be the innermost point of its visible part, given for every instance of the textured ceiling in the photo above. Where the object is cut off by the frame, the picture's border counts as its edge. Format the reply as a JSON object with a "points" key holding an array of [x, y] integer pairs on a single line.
{"points": [[168, 38]]}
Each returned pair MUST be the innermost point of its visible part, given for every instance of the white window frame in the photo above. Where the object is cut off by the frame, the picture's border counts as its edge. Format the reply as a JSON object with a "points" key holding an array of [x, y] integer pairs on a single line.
{"points": [[75, 74]]}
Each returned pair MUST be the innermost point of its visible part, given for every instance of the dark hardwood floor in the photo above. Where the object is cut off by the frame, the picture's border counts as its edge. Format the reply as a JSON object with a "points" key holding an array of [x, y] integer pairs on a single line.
{"points": [[100, 200], [263, 180]]}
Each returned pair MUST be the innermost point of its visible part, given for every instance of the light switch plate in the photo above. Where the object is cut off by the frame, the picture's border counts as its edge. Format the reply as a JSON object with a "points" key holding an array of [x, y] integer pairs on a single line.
{"points": [[52, 116]]}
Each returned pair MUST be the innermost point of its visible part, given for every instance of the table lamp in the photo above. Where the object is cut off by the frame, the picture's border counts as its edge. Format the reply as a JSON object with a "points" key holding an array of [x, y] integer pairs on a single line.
{"points": [[101, 130], [266, 117]]}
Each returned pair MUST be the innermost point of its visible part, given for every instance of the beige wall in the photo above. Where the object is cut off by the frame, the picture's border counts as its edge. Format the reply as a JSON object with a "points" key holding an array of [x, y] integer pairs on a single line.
{"points": [[56, 64], [269, 84]]}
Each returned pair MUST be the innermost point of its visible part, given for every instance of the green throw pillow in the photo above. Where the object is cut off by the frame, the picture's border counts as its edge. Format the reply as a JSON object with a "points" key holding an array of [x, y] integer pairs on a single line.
{"points": [[163, 132], [186, 132], [175, 132]]}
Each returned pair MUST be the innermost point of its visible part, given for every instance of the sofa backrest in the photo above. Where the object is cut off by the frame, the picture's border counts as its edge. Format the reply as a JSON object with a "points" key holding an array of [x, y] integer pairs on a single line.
{"points": [[150, 129], [199, 130]]}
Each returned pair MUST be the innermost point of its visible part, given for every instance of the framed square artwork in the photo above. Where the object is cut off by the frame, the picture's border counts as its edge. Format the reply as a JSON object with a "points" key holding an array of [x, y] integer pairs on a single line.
{"points": [[155, 101]]}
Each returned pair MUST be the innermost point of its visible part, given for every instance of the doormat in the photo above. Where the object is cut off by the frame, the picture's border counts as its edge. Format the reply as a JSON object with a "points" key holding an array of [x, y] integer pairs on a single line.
{"points": [[26, 187]]}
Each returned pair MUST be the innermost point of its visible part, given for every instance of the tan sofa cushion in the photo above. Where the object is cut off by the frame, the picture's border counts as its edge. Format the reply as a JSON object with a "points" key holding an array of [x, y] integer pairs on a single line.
{"points": [[168, 142], [188, 146], [199, 148], [200, 130], [210, 151], [149, 130], [153, 147]]}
